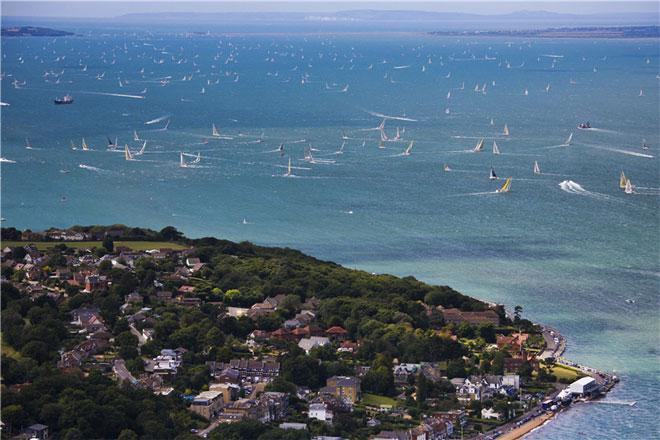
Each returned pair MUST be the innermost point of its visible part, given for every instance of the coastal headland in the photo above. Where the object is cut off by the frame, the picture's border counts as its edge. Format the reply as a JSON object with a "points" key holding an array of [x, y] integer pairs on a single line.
{"points": [[280, 335]]}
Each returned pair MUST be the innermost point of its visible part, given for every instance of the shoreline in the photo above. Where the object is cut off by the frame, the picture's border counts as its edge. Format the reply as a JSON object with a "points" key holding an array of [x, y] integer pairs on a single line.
{"points": [[554, 349]]}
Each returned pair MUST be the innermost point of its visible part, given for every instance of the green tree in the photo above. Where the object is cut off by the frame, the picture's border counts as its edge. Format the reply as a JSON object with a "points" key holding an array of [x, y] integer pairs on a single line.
{"points": [[108, 243]]}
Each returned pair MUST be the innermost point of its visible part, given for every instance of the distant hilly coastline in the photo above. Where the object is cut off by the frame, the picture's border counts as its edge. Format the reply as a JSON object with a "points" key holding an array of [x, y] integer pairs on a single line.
{"points": [[33, 31], [578, 32], [369, 15]]}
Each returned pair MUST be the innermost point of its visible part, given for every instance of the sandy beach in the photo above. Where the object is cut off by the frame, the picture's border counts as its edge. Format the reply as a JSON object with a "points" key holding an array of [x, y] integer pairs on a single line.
{"points": [[527, 427]]}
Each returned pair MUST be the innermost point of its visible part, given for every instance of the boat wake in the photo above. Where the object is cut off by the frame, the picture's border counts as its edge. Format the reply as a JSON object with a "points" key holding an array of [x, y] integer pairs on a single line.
{"points": [[5, 160], [120, 95], [157, 120], [90, 168], [572, 187], [617, 150]]}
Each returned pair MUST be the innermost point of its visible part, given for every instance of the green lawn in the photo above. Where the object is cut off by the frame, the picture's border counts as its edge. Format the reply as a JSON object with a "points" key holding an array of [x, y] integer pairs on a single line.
{"points": [[9, 351], [134, 245], [568, 373], [376, 400]]}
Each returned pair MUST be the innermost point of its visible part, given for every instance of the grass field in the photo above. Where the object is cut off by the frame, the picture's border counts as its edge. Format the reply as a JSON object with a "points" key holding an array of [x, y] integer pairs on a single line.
{"points": [[567, 373], [9, 351], [134, 245], [376, 400]]}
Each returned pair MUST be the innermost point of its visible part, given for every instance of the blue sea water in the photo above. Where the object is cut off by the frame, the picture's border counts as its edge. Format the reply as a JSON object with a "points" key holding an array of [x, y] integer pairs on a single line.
{"points": [[568, 245]]}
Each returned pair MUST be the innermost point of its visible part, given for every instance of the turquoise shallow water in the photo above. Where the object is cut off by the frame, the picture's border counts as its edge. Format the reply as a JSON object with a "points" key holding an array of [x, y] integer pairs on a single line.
{"points": [[571, 256]]}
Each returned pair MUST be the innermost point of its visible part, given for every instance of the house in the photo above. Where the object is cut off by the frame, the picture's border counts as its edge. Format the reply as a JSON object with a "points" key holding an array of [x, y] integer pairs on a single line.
{"points": [[347, 347], [403, 371], [63, 273], [292, 425], [513, 365], [255, 370], [515, 341], [490, 414], [185, 289], [229, 391], [166, 364], [88, 318], [190, 262], [320, 411], [237, 312], [162, 296], [208, 404], [308, 344], [344, 387], [133, 298], [92, 282], [457, 417], [37, 431], [261, 309], [336, 333]]}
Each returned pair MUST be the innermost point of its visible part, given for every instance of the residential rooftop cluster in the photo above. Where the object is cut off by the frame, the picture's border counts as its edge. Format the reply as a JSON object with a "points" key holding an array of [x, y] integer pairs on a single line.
{"points": [[238, 334]]}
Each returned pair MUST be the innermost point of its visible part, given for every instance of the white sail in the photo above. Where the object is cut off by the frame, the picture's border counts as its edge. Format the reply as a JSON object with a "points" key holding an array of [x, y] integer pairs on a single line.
{"points": [[182, 161], [85, 147], [409, 149], [537, 169], [127, 153], [135, 136], [569, 139], [214, 131], [288, 169], [505, 132], [446, 168], [630, 188], [480, 146], [197, 158], [141, 152], [496, 149]]}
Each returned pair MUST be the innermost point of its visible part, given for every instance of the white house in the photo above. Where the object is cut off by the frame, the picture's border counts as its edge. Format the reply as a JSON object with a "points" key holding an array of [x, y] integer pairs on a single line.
{"points": [[320, 411], [308, 344], [490, 413]]}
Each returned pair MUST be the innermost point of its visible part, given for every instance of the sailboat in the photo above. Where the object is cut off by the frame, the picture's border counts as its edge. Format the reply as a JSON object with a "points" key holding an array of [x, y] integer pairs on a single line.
{"points": [[506, 187], [28, 145], [492, 175], [288, 170], [381, 144], [622, 180], [526, 92], [112, 145], [492, 122], [537, 169], [197, 158], [135, 136], [182, 161], [568, 140], [214, 131], [398, 134], [641, 92], [496, 149], [141, 152], [630, 188], [446, 168], [409, 149], [644, 145], [505, 132], [85, 147], [127, 153], [479, 147]]}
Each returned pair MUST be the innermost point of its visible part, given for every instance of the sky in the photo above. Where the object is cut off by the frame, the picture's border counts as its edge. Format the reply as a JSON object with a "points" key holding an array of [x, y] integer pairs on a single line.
{"points": [[113, 8]]}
